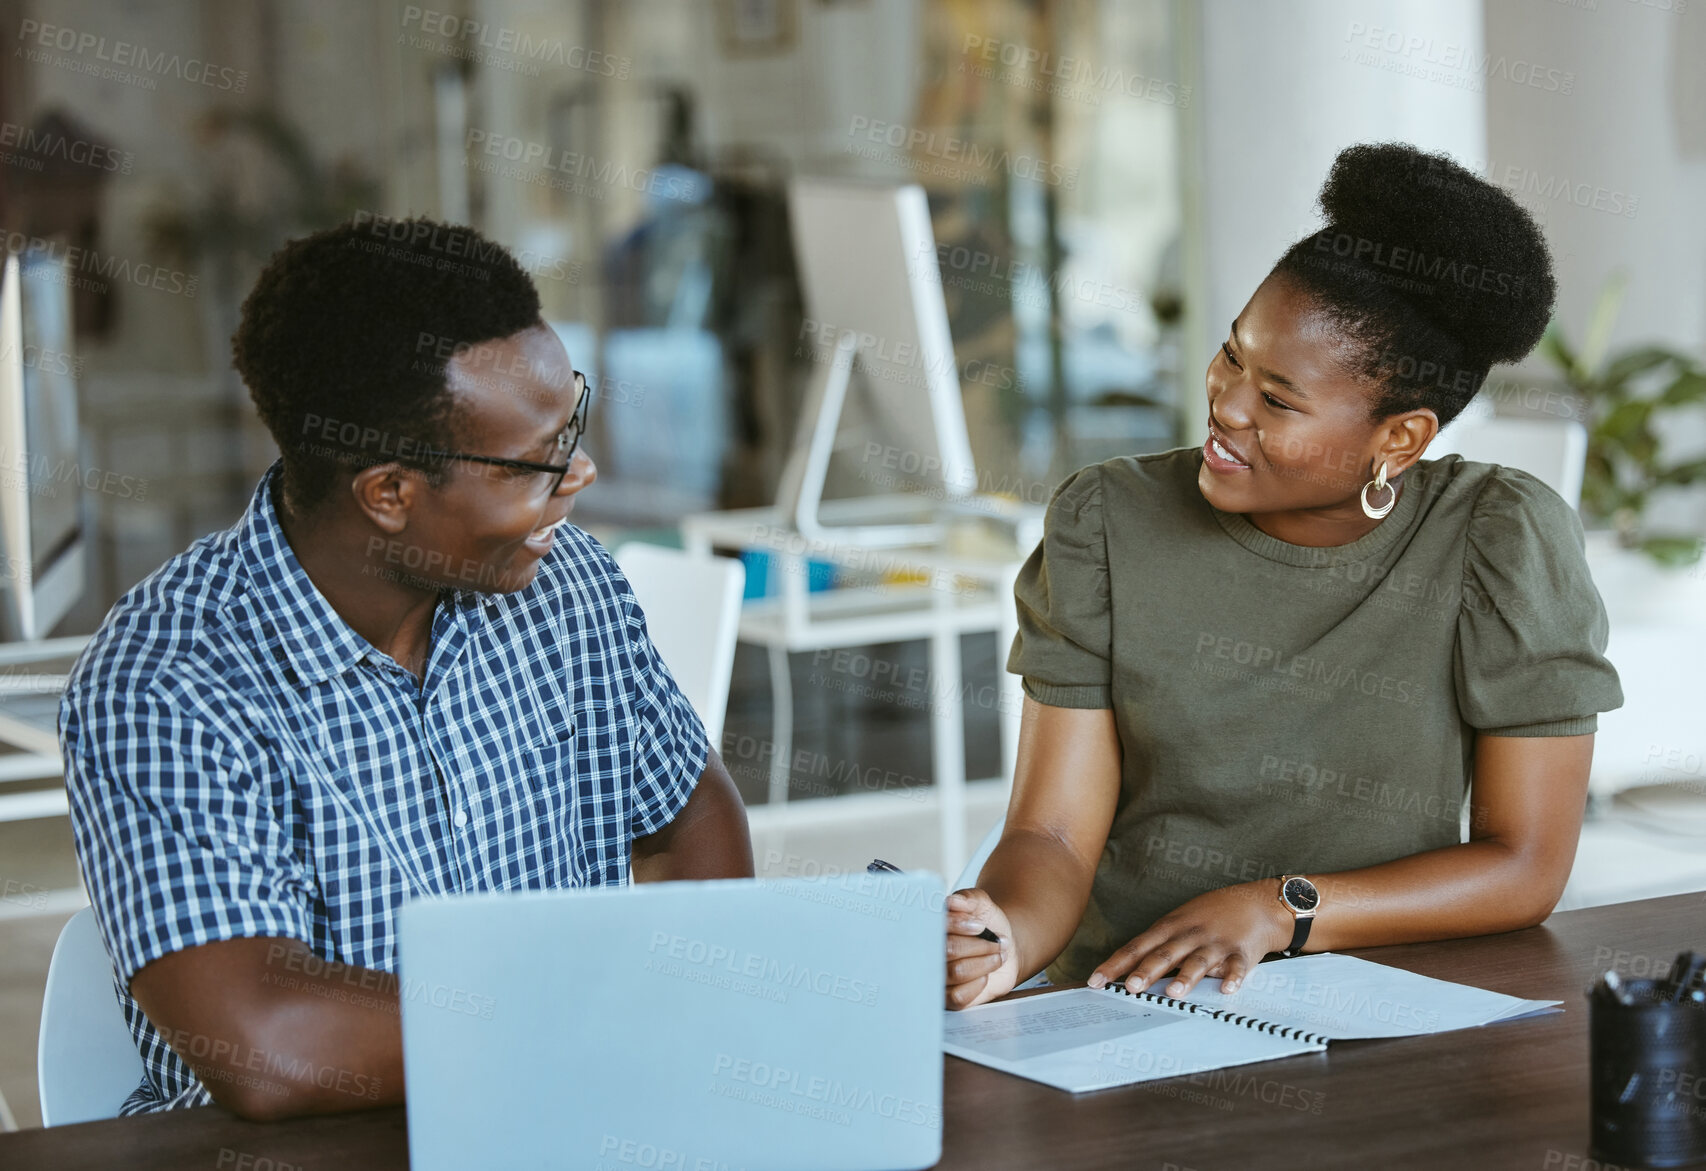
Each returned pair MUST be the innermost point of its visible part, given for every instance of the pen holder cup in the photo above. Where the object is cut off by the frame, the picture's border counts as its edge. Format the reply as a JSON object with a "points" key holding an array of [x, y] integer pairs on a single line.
{"points": [[1647, 1073]]}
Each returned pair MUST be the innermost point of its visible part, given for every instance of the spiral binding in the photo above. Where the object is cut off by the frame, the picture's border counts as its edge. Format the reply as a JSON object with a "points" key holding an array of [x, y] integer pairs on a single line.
{"points": [[1231, 1018]]}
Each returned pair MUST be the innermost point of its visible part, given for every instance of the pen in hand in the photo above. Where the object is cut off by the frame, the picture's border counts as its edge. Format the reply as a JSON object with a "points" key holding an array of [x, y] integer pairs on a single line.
{"points": [[878, 866]]}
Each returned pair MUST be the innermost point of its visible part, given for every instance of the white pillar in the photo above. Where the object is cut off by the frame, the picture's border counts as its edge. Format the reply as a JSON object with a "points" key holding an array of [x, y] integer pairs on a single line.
{"points": [[1280, 89]]}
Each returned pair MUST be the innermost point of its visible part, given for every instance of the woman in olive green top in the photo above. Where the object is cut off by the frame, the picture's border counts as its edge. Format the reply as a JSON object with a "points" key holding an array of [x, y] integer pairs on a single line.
{"points": [[1290, 651]]}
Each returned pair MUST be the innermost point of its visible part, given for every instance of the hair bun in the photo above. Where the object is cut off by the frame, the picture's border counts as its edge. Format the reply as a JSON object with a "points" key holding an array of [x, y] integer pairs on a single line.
{"points": [[1459, 250]]}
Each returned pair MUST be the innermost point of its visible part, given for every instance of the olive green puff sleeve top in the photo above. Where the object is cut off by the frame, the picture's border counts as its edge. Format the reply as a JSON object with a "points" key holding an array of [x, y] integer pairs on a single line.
{"points": [[1284, 708]]}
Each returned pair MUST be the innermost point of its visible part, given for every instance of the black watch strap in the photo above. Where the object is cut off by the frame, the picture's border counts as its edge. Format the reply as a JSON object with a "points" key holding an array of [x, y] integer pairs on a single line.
{"points": [[1299, 935]]}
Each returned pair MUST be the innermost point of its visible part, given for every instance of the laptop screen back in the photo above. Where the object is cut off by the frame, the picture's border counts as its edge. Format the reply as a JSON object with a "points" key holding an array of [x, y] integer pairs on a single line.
{"points": [[753, 1024]]}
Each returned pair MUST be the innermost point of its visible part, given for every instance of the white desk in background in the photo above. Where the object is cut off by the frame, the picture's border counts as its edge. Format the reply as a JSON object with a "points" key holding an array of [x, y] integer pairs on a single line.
{"points": [[963, 585], [32, 678]]}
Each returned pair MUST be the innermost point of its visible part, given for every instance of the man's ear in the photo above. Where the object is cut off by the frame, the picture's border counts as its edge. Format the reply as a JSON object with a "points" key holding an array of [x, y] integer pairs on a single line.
{"points": [[1406, 438], [386, 494]]}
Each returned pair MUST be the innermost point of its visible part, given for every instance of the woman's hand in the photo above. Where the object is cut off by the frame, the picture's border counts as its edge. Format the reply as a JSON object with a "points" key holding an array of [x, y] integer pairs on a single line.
{"points": [[1223, 933], [978, 970]]}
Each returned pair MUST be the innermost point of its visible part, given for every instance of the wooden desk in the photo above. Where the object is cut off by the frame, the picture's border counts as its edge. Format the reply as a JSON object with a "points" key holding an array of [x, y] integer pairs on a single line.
{"points": [[1512, 1095]]}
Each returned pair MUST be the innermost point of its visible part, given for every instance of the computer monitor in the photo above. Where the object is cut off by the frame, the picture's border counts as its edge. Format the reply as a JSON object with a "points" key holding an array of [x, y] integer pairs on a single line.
{"points": [[886, 391], [42, 529]]}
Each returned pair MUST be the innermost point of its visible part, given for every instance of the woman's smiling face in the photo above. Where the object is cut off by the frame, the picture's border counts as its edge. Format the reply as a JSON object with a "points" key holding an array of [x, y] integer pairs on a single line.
{"points": [[1289, 423]]}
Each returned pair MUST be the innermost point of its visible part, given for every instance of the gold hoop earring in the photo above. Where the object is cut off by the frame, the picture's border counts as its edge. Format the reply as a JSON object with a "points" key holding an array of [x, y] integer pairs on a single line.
{"points": [[1378, 483]]}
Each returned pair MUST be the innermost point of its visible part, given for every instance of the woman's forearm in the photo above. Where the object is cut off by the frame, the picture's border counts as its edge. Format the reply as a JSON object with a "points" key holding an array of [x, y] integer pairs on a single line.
{"points": [[1529, 795], [1033, 889], [1043, 887], [1065, 789], [1476, 888], [1525, 816]]}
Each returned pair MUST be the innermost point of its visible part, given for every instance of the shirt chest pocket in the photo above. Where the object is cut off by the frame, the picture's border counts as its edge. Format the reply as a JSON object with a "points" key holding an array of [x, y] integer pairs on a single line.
{"points": [[542, 707], [553, 812]]}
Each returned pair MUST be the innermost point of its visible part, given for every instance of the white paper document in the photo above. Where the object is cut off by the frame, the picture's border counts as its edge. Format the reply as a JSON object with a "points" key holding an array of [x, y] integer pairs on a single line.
{"points": [[1111, 1040], [1344, 998], [1081, 1039]]}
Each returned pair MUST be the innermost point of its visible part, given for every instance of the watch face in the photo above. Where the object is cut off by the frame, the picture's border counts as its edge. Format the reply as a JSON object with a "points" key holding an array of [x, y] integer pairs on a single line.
{"points": [[1300, 894]]}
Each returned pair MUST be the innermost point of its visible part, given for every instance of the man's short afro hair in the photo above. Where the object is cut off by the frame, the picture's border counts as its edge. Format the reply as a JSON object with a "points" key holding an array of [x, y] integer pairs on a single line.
{"points": [[1434, 273], [344, 339]]}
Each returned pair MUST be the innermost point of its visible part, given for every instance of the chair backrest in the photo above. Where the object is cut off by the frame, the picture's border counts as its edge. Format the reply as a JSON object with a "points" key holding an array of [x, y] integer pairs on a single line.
{"points": [[86, 1061], [1554, 451], [692, 607], [968, 876]]}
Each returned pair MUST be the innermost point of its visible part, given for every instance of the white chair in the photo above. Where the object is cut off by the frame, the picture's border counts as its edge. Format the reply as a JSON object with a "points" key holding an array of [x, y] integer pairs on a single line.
{"points": [[86, 1062], [968, 876], [1554, 451], [692, 607]]}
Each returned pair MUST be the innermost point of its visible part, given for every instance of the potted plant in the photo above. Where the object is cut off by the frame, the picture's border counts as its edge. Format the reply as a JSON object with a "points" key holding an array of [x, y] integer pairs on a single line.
{"points": [[1644, 572]]}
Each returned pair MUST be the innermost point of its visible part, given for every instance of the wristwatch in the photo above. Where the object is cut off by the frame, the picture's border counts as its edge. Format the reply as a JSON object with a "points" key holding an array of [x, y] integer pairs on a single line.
{"points": [[1299, 896]]}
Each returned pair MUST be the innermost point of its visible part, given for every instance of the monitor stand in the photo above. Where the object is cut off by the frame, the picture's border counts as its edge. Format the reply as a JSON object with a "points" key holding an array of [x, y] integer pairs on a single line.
{"points": [[885, 521]]}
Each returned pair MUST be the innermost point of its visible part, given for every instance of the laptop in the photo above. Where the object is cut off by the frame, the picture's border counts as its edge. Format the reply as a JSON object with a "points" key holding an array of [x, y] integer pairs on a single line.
{"points": [[786, 1024]]}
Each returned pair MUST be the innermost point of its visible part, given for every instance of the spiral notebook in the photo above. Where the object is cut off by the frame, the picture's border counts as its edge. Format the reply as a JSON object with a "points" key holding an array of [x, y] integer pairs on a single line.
{"points": [[1082, 1039]]}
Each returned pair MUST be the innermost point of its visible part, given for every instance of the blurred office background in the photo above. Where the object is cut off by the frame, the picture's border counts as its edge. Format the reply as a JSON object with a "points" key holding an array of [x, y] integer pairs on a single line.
{"points": [[1108, 180]]}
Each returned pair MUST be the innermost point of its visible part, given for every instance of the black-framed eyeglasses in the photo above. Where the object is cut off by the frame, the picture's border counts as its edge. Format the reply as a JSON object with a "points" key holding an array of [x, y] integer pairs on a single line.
{"points": [[568, 439]]}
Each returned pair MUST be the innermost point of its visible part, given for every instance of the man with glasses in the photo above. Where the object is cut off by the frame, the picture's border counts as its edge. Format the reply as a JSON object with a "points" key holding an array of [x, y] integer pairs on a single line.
{"points": [[401, 674]]}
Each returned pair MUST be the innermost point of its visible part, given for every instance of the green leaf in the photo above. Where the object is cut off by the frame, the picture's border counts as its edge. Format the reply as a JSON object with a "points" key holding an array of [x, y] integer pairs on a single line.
{"points": [[1553, 346], [1686, 473], [1675, 552], [1626, 421], [1689, 387], [1602, 495], [1636, 362]]}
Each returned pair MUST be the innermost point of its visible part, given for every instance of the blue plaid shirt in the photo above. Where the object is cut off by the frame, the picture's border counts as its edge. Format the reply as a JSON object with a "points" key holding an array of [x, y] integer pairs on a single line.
{"points": [[242, 763]]}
